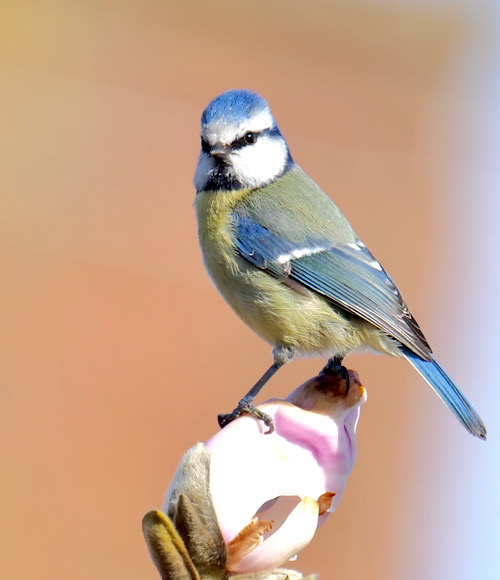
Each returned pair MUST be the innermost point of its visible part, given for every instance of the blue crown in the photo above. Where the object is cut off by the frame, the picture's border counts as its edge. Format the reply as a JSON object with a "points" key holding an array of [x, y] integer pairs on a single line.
{"points": [[234, 107]]}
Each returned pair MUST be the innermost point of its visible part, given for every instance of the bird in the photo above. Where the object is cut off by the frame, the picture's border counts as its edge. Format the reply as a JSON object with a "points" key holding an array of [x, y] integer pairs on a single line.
{"points": [[287, 261]]}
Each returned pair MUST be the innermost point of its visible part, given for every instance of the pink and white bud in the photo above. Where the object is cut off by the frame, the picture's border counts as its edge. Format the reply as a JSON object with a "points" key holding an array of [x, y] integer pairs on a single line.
{"points": [[271, 491]]}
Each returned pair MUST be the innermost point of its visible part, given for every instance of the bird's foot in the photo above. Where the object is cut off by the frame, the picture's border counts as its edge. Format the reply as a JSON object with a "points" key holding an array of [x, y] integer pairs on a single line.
{"points": [[246, 407], [334, 366]]}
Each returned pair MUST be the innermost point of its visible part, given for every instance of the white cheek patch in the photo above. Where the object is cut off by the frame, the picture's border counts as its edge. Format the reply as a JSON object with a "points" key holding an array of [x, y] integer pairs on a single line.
{"points": [[258, 164]]}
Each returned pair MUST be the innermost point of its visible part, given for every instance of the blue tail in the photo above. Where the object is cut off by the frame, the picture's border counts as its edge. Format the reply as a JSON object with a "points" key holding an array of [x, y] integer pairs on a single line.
{"points": [[448, 391]]}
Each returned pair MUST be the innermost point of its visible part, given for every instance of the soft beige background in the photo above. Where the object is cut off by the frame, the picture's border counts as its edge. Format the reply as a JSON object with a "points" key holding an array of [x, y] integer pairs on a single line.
{"points": [[116, 353]]}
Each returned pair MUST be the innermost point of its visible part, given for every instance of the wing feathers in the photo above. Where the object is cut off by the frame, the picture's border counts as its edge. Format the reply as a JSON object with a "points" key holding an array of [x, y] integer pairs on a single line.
{"points": [[346, 274]]}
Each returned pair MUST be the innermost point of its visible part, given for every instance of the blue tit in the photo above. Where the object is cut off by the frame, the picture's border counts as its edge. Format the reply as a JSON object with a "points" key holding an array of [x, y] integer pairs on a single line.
{"points": [[288, 262]]}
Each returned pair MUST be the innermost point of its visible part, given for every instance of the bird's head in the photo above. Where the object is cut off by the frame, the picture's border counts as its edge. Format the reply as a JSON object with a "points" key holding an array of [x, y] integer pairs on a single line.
{"points": [[241, 145]]}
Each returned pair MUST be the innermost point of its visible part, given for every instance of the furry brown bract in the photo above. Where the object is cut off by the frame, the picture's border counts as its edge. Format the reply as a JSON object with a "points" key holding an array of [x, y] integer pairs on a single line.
{"points": [[185, 543]]}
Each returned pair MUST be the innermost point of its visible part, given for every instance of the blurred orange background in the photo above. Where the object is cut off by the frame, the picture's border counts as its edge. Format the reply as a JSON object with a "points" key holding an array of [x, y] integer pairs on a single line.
{"points": [[116, 351]]}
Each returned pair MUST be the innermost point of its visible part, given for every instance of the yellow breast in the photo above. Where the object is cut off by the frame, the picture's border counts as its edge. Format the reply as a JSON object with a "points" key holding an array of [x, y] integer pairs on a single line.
{"points": [[304, 322]]}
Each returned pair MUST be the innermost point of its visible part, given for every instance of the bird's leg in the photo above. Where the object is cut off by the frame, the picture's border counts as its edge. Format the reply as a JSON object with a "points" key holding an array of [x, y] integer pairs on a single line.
{"points": [[246, 406], [334, 366]]}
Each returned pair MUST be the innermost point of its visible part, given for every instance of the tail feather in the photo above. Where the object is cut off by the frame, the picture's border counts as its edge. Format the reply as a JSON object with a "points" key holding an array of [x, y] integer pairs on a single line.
{"points": [[449, 392]]}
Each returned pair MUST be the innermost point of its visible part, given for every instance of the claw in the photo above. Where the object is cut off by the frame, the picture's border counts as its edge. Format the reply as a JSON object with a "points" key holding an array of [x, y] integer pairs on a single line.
{"points": [[246, 407]]}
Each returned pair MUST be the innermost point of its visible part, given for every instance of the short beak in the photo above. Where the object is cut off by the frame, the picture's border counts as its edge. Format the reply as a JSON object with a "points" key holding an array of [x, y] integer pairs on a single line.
{"points": [[220, 150]]}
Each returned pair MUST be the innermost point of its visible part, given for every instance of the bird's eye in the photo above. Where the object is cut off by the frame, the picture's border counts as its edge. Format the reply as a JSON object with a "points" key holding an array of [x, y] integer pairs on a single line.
{"points": [[247, 139], [205, 146]]}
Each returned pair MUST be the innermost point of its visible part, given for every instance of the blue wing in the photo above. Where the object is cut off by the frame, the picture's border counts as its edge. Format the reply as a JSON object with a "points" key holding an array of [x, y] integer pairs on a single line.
{"points": [[350, 277], [346, 274]]}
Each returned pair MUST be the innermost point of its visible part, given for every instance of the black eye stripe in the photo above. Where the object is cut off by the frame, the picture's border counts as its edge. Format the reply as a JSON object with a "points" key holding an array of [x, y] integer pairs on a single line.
{"points": [[248, 138]]}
